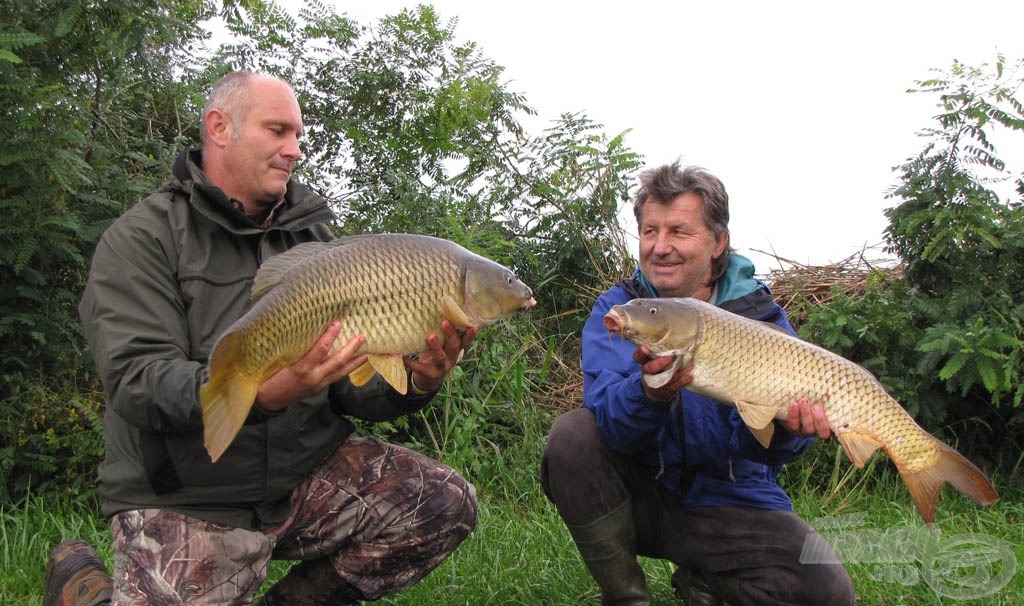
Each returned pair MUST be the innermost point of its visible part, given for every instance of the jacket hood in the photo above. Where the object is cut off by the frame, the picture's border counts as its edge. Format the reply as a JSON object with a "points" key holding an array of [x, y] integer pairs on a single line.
{"points": [[737, 291], [737, 281]]}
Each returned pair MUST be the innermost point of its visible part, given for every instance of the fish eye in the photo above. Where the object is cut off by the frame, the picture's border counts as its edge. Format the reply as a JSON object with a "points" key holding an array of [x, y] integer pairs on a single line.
{"points": [[654, 310]]}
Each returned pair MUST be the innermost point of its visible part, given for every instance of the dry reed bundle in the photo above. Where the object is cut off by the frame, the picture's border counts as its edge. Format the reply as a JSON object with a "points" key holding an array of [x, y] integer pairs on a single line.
{"points": [[798, 285]]}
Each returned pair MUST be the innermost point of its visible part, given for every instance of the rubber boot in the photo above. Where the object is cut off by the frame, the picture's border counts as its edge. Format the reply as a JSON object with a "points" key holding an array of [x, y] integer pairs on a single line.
{"points": [[692, 589], [608, 547], [310, 583]]}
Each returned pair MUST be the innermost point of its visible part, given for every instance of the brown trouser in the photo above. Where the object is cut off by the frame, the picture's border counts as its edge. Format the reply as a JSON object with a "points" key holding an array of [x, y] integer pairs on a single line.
{"points": [[379, 517], [747, 556]]}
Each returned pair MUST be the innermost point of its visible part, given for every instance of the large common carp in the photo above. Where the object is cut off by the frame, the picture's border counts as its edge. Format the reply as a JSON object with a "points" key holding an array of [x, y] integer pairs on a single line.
{"points": [[761, 370], [392, 288]]}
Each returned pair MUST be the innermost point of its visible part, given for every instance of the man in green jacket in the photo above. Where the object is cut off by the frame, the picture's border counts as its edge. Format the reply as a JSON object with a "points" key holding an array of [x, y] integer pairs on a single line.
{"points": [[364, 518]]}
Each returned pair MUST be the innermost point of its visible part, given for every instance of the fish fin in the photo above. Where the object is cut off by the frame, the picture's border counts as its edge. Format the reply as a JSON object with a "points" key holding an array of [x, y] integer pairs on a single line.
{"points": [[392, 368], [345, 240], [455, 314], [275, 268], [758, 419], [858, 446], [775, 326], [362, 375], [227, 396], [925, 484], [756, 416], [663, 377], [764, 435]]}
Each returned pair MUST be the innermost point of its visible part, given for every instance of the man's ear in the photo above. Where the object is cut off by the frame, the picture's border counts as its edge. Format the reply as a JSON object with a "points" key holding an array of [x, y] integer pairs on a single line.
{"points": [[218, 127], [721, 245]]}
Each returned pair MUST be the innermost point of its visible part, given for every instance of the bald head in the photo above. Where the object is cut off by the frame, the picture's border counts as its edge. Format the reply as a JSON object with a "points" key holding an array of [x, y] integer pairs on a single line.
{"points": [[232, 95], [250, 136]]}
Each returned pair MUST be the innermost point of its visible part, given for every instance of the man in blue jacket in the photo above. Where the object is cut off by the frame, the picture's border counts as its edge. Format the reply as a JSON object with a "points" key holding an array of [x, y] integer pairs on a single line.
{"points": [[665, 473]]}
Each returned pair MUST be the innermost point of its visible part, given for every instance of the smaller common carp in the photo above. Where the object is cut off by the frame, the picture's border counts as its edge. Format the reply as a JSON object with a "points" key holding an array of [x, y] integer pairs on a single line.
{"points": [[761, 370]]}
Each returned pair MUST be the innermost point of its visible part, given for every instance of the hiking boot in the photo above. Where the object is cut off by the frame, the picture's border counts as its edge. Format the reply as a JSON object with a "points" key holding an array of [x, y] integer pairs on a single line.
{"points": [[75, 576], [311, 583], [691, 587]]}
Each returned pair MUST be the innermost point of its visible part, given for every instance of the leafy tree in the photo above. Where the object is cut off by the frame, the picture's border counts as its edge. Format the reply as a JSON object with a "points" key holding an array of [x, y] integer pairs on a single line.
{"points": [[960, 243], [409, 130], [952, 331], [563, 194], [89, 114]]}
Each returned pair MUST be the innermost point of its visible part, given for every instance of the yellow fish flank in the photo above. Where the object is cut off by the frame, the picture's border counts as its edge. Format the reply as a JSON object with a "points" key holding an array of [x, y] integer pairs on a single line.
{"points": [[761, 370], [392, 288]]}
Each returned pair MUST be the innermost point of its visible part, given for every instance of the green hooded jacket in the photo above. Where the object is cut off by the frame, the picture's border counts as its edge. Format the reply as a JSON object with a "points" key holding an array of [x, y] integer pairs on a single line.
{"points": [[167, 278]]}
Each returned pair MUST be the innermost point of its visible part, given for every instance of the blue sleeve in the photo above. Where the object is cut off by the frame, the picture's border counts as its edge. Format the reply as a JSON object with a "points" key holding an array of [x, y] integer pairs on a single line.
{"points": [[611, 384], [715, 433], [784, 447]]}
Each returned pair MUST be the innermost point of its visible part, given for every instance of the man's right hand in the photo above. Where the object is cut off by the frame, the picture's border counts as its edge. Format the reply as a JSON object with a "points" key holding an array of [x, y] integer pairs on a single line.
{"points": [[650, 365], [311, 373]]}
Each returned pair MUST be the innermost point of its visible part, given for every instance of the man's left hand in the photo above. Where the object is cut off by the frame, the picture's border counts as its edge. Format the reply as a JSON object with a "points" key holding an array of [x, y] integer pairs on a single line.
{"points": [[808, 419], [430, 367]]}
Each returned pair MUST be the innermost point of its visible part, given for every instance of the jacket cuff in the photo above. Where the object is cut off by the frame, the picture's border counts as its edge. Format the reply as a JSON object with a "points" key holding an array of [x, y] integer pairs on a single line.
{"points": [[415, 391], [258, 414]]}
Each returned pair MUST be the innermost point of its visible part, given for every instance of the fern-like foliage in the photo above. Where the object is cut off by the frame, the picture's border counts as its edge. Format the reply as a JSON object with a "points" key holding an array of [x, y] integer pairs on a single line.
{"points": [[948, 338], [958, 228], [90, 122]]}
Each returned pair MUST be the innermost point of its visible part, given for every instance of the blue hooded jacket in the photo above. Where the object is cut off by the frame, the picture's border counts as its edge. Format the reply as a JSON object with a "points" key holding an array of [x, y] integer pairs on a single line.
{"points": [[696, 446]]}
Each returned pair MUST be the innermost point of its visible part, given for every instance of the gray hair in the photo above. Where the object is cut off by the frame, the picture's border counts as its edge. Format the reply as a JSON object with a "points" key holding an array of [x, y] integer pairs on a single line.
{"points": [[229, 95], [665, 183]]}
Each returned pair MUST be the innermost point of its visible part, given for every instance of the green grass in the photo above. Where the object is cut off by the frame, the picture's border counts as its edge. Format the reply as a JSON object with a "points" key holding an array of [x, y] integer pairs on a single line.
{"points": [[30, 528], [522, 554], [889, 551]]}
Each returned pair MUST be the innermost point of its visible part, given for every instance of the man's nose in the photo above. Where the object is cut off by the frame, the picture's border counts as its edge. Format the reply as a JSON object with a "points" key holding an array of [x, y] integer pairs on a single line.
{"points": [[662, 244], [292, 151]]}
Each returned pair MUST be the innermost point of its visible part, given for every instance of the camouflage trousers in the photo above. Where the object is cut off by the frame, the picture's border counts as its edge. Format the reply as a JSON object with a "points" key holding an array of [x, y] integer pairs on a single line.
{"points": [[371, 520]]}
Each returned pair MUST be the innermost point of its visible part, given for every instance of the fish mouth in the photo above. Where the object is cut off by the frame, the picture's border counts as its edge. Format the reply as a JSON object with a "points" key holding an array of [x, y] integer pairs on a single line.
{"points": [[528, 303], [616, 321]]}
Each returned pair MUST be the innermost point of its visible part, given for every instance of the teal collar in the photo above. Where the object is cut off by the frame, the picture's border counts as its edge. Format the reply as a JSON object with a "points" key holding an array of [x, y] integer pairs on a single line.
{"points": [[738, 280]]}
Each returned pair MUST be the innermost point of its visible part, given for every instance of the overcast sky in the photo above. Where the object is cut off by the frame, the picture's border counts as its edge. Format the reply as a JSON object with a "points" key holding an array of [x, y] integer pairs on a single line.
{"points": [[799, 107]]}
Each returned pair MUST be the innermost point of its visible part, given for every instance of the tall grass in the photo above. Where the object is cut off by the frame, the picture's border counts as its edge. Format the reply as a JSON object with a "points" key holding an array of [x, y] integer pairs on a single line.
{"points": [[521, 553], [30, 528], [969, 554], [491, 424]]}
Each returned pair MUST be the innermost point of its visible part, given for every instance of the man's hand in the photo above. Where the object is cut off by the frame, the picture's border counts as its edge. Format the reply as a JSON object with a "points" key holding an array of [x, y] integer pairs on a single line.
{"points": [[650, 365], [312, 372], [430, 367], [807, 419]]}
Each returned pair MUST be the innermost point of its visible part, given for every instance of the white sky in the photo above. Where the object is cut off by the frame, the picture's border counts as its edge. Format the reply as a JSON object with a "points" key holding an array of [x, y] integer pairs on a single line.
{"points": [[799, 107]]}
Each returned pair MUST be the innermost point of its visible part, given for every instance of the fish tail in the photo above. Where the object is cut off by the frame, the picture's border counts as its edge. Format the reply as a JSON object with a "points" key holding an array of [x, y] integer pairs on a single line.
{"points": [[227, 396], [924, 484]]}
